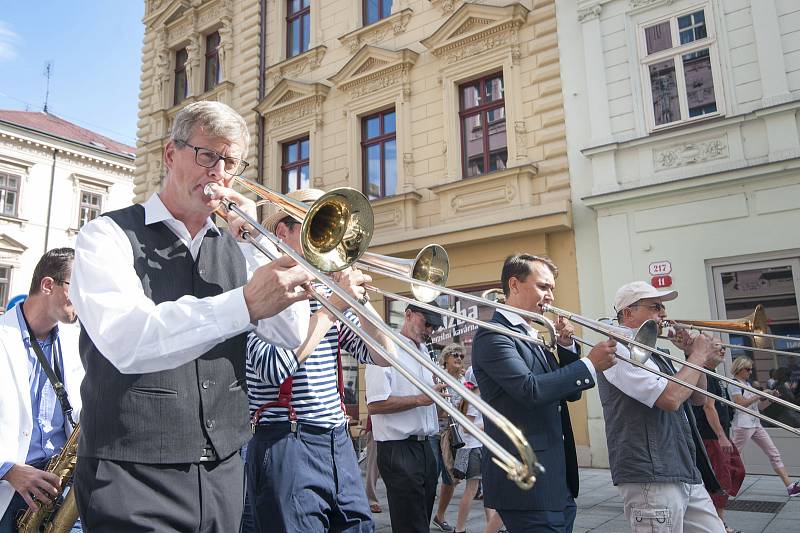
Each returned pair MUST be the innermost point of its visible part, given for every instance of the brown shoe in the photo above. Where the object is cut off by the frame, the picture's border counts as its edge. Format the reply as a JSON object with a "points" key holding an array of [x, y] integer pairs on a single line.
{"points": [[375, 508]]}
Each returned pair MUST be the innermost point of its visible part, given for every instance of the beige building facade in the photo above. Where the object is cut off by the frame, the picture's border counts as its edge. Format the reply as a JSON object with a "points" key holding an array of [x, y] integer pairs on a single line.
{"points": [[447, 114]]}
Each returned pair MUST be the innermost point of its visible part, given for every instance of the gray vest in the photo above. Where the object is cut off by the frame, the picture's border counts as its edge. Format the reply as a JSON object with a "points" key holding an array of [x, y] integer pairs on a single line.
{"points": [[169, 416], [646, 445]]}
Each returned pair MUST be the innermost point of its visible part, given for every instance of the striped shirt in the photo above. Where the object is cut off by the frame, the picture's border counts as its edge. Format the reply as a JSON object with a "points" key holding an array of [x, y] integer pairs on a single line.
{"points": [[315, 394]]}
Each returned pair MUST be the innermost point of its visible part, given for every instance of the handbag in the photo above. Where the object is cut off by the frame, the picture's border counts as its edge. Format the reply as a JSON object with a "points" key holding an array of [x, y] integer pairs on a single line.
{"points": [[456, 440]]}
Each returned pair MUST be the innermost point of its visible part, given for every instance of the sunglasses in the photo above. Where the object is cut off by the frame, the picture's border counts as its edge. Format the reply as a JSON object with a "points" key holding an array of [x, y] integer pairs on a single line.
{"points": [[459, 355], [653, 307]]}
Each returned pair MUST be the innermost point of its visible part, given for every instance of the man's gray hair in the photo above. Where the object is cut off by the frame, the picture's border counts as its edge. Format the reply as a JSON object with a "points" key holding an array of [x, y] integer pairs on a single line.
{"points": [[213, 118]]}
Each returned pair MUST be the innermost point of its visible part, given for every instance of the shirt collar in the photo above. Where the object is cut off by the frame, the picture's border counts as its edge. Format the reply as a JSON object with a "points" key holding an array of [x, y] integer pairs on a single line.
{"points": [[156, 211], [513, 317]]}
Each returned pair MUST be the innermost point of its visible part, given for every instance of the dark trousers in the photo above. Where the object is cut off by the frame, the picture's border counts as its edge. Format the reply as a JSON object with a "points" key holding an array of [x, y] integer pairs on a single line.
{"points": [[122, 497], [408, 469], [306, 481], [540, 521]]}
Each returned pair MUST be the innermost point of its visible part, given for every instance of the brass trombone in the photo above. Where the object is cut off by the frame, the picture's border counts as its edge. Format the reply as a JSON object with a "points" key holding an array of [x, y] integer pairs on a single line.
{"points": [[755, 325], [522, 470], [632, 343]]}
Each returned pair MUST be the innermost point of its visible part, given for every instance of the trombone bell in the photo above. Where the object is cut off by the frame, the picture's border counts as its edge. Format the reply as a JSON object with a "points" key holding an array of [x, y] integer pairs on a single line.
{"points": [[337, 229], [431, 266], [755, 323]]}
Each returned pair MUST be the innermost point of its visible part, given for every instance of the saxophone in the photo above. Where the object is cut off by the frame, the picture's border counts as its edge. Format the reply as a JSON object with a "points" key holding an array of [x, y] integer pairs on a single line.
{"points": [[61, 513]]}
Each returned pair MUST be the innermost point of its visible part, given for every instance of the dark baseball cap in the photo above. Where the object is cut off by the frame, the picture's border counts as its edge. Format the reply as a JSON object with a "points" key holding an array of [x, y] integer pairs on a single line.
{"points": [[431, 317]]}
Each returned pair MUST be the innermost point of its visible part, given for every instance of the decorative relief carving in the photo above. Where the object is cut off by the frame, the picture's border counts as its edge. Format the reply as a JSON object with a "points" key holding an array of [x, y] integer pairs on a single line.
{"points": [[644, 3], [589, 13], [477, 47], [522, 139], [469, 24], [469, 201], [377, 32], [372, 85], [408, 164], [373, 69], [690, 153], [225, 46], [447, 6], [180, 31]]}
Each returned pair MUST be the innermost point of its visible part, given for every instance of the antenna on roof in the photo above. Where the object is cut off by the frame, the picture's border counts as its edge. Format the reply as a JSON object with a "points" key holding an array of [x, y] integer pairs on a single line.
{"points": [[48, 73]]}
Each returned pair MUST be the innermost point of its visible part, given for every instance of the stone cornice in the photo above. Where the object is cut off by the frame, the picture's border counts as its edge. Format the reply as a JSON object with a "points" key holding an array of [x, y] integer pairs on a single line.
{"points": [[475, 28], [22, 144], [292, 100], [295, 66], [376, 32], [373, 68]]}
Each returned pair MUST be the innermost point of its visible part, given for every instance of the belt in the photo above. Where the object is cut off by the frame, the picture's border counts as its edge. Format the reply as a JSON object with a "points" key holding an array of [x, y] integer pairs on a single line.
{"points": [[292, 427], [418, 438], [209, 454]]}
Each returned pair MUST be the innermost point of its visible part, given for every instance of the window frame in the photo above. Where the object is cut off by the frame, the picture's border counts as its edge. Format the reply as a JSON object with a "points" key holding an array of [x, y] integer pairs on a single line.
{"points": [[381, 14], [482, 110], [82, 205], [676, 53], [5, 284], [212, 55], [180, 69], [287, 167], [291, 16], [4, 191], [381, 140]]}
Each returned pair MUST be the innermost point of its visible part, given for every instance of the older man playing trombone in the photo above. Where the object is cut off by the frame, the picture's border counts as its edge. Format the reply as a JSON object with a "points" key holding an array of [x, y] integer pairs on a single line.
{"points": [[656, 454]]}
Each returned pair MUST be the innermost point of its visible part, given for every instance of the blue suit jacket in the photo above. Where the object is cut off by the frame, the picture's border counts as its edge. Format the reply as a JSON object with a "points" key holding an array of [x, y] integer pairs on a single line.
{"points": [[531, 389]]}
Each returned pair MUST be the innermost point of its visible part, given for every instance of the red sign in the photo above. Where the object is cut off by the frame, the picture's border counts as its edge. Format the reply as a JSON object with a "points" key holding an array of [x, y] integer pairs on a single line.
{"points": [[659, 282]]}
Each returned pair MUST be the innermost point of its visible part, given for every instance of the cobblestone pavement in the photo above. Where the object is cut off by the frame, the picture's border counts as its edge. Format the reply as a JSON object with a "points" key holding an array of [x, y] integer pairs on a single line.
{"points": [[600, 507]]}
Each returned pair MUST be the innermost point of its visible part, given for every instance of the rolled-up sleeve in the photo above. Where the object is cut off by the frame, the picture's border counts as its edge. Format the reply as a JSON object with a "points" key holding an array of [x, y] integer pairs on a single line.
{"points": [[636, 382], [138, 336], [379, 383]]}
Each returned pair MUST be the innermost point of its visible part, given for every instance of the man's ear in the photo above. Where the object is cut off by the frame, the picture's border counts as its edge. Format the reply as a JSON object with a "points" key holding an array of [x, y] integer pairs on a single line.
{"points": [[513, 285], [169, 153], [280, 231], [46, 286]]}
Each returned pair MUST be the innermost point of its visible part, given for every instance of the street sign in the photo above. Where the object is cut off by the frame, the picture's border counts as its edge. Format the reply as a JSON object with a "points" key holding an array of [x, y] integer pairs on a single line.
{"points": [[659, 268], [659, 282]]}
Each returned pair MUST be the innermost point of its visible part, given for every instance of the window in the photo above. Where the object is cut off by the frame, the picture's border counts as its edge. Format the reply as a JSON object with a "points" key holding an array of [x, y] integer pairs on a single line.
{"points": [[9, 192], [295, 165], [181, 89], [379, 154], [212, 61], [678, 69], [91, 205], [483, 126], [298, 26], [5, 284], [375, 10]]}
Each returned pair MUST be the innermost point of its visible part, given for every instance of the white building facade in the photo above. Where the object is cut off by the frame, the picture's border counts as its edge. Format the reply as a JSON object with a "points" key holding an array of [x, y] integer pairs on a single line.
{"points": [[684, 157], [54, 177]]}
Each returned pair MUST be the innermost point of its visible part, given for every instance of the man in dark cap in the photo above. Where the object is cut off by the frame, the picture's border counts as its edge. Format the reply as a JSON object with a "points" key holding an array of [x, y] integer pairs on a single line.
{"points": [[403, 420]]}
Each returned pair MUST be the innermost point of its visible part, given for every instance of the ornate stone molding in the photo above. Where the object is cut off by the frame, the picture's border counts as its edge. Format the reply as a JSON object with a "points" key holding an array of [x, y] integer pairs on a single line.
{"points": [[291, 101], [589, 13], [392, 25], [295, 66], [474, 29], [447, 6], [643, 4], [510, 189], [683, 154], [372, 69], [396, 213]]}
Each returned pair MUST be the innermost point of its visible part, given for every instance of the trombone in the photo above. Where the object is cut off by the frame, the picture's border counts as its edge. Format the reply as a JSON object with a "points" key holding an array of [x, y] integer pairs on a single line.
{"points": [[754, 325], [343, 225], [649, 347]]}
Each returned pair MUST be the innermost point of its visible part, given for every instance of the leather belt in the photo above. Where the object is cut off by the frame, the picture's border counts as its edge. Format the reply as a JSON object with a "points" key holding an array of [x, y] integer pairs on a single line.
{"points": [[418, 438]]}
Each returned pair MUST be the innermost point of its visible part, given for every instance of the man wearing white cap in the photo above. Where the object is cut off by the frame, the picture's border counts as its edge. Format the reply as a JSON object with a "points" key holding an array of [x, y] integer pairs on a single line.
{"points": [[655, 452]]}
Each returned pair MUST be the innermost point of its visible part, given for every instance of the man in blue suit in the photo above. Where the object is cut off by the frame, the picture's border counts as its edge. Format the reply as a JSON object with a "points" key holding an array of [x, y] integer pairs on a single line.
{"points": [[528, 385]]}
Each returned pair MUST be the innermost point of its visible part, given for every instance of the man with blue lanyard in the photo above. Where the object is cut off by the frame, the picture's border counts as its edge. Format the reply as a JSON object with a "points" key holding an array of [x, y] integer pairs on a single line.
{"points": [[30, 408]]}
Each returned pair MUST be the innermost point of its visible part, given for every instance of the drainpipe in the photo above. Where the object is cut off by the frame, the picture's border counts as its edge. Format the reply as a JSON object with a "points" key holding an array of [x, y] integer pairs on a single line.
{"points": [[260, 126], [50, 201]]}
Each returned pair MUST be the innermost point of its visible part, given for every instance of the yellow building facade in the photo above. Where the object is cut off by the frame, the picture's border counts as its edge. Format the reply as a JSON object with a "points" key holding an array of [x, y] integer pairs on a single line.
{"points": [[448, 114]]}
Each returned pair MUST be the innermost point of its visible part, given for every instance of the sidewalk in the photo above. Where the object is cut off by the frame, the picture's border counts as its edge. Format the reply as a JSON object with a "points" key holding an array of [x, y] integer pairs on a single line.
{"points": [[765, 507]]}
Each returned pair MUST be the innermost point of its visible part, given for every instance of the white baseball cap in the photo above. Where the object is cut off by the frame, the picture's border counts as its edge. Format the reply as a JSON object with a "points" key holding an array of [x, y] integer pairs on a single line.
{"points": [[631, 293]]}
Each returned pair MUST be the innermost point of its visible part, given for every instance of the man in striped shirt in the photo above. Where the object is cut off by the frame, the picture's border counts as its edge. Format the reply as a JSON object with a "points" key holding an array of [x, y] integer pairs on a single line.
{"points": [[302, 472]]}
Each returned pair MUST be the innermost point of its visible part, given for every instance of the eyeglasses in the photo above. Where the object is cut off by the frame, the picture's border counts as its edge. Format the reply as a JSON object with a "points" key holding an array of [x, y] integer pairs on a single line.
{"points": [[61, 281], [653, 307], [205, 157], [458, 355], [749, 368]]}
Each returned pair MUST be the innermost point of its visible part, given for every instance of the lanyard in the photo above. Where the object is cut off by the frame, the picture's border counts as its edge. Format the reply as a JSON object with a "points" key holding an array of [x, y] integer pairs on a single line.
{"points": [[54, 376]]}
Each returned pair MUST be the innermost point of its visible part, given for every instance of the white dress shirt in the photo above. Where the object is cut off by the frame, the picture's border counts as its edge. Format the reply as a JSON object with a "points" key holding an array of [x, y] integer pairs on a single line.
{"points": [[517, 320], [138, 336], [383, 382]]}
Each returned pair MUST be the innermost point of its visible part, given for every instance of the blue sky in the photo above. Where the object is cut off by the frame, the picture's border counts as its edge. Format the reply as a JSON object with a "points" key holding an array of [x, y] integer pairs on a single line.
{"points": [[96, 49]]}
